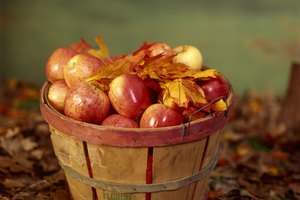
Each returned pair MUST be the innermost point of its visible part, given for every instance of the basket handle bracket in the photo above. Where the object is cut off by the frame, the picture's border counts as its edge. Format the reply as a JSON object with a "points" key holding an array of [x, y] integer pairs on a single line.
{"points": [[186, 126]]}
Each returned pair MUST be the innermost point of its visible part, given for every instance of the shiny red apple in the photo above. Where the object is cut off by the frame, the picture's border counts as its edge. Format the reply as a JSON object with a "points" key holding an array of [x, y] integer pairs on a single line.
{"points": [[86, 102], [160, 115], [81, 67], [118, 120], [56, 63], [56, 95], [129, 95], [214, 88]]}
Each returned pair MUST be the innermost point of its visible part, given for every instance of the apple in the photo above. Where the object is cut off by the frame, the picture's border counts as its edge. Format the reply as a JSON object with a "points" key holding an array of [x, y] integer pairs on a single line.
{"points": [[214, 88], [81, 67], [129, 95], [160, 115], [187, 113], [86, 102], [188, 55], [118, 120], [56, 95], [56, 63]]}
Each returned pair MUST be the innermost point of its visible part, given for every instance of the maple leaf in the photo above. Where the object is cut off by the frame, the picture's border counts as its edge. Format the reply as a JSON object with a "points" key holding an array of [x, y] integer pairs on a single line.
{"points": [[182, 92], [166, 70], [84, 46], [106, 73], [142, 48], [102, 52]]}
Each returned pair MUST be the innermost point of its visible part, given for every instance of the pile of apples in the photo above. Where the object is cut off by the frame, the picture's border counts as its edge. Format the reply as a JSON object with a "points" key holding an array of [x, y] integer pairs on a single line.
{"points": [[129, 101]]}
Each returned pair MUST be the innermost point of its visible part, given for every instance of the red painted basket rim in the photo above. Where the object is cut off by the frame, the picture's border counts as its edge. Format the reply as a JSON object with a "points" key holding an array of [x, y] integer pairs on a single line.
{"points": [[132, 137]]}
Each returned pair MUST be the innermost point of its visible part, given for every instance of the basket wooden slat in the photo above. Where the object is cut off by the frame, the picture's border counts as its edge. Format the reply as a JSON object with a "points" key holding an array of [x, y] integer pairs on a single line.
{"points": [[121, 165], [176, 162], [211, 148], [70, 152]]}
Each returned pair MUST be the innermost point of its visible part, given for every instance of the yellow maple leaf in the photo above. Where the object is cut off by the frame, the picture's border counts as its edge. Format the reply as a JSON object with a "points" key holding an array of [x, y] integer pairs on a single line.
{"points": [[105, 74], [167, 70], [182, 92], [102, 52], [208, 73]]}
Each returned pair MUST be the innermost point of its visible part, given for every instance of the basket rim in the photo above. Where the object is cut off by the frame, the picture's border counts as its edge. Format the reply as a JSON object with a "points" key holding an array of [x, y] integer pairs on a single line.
{"points": [[140, 137]]}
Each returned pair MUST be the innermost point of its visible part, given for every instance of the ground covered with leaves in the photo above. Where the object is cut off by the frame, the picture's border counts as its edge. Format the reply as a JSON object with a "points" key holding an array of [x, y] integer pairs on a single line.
{"points": [[259, 159]]}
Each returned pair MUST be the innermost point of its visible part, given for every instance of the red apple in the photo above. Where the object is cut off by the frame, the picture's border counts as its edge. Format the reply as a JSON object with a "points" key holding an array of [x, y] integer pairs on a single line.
{"points": [[159, 115], [129, 95], [118, 120], [56, 95], [81, 67], [86, 102], [214, 88], [187, 113], [56, 63]]}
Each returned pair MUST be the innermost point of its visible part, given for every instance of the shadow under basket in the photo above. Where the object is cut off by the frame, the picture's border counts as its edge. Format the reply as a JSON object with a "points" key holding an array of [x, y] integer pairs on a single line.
{"points": [[110, 163]]}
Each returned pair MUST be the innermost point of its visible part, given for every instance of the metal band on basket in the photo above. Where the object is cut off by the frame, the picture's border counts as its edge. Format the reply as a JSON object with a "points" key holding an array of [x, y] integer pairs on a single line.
{"points": [[134, 188]]}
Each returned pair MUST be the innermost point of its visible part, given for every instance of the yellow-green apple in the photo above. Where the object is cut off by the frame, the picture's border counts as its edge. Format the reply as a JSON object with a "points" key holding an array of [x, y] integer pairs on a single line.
{"points": [[188, 55]]}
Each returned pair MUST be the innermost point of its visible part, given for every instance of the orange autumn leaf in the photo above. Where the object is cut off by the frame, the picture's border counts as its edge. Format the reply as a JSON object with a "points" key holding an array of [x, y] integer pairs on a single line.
{"points": [[106, 73], [209, 73], [167, 70], [102, 52], [162, 71], [84, 46], [182, 92]]}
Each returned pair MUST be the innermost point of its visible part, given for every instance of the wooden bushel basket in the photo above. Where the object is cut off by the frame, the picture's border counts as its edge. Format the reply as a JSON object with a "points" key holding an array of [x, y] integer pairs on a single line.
{"points": [[109, 163]]}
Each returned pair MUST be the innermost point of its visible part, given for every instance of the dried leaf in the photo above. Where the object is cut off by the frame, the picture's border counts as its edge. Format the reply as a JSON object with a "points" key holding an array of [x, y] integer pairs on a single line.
{"points": [[38, 154], [22, 158], [83, 46], [166, 71], [11, 142], [295, 187], [183, 92], [112, 70], [13, 183], [106, 73], [3, 197], [102, 52], [243, 150], [27, 144]]}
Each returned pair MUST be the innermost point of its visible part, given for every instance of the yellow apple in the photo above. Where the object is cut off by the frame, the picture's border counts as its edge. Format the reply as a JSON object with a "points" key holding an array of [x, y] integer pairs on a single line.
{"points": [[188, 55]]}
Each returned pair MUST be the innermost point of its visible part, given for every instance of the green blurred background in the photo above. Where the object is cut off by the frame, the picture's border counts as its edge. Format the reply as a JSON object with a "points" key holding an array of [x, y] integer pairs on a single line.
{"points": [[252, 42]]}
